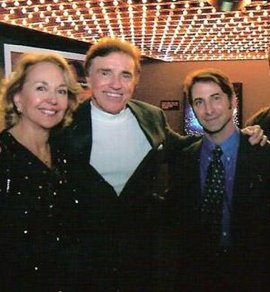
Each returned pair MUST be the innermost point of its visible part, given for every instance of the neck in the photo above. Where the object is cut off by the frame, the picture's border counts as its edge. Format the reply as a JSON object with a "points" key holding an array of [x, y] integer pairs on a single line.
{"points": [[35, 140], [220, 136]]}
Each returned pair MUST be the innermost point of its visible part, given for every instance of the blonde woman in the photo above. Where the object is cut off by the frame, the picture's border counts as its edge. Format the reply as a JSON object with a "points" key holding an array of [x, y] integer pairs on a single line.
{"points": [[35, 198]]}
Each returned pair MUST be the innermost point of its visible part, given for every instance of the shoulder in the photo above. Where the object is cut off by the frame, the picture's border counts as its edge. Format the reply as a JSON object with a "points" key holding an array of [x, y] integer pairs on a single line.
{"points": [[4, 141], [143, 106], [194, 146], [262, 115], [188, 152], [82, 109], [80, 122], [147, 113], [7, 151], [258, 153]]}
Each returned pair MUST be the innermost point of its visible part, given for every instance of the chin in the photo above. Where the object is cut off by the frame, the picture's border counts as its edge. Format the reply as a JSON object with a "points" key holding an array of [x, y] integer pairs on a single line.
{"points": [[50, 125], [115, 110], [210, 130]]}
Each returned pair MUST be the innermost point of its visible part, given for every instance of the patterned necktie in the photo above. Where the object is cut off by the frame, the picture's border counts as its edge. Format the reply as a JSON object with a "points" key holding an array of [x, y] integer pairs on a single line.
{"points": [[212, 201]]}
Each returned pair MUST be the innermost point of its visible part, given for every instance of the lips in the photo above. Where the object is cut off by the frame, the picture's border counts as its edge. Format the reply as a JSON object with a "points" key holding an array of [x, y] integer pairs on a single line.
{"points": [[211, 120], [48, 112], [114, 94]]}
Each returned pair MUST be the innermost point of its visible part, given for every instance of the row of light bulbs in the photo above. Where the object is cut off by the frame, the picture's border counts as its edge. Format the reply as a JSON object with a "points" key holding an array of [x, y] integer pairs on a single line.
{"points": [[181, 41]]}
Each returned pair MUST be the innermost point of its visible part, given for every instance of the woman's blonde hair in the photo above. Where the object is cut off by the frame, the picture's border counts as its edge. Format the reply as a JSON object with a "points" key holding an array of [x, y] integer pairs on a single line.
{"points": [[17, 79]]}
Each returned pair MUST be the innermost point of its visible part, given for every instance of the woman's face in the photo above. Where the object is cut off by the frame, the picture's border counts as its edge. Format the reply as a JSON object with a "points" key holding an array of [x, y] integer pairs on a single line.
{"points": [[43, 99]]}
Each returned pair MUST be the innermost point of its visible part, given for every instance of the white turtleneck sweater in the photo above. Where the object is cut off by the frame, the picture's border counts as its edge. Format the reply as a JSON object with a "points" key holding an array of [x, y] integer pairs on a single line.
{"points": [[119, 145]]}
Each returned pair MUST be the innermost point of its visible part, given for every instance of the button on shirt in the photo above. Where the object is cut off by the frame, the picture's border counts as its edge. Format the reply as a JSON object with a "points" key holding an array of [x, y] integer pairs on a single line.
{"points": [[229, 157]]}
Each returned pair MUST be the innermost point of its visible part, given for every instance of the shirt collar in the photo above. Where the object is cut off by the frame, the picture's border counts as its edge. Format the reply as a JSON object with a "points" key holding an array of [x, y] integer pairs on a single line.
{"points": [[99, 114], [228, 146]]}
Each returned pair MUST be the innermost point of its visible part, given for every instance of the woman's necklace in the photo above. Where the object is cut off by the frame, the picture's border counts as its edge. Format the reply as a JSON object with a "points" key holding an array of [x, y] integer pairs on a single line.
{"points": [[45, 158]]}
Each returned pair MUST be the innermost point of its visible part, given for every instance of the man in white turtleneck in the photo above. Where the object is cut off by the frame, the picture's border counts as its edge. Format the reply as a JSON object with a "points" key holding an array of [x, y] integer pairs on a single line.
{"points": [[120, 147], [119, 144]]}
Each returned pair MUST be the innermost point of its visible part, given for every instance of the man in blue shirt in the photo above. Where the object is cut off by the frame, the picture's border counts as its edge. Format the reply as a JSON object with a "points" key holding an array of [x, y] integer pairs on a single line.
{"points": [[238, 260]]}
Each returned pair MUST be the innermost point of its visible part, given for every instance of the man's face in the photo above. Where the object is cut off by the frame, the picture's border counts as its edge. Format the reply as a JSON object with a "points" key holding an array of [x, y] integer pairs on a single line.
{"points": [[213, 109], [112, 80]]}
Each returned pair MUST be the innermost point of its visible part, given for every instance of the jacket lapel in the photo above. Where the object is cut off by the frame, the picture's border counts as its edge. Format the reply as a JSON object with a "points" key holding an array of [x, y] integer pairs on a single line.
{"points": [[147, 125]]}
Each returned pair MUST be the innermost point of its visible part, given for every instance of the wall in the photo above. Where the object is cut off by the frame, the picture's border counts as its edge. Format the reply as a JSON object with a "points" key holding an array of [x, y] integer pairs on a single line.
{"points": [[163, 81]]}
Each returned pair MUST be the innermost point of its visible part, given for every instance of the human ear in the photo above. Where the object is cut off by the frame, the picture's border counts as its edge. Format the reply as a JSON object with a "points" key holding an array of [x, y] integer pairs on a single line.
{"points": [[17, 102]]}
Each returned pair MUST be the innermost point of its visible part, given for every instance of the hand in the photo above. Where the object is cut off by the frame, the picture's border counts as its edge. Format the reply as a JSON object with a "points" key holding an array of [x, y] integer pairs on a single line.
{"points": [[256, 135]]}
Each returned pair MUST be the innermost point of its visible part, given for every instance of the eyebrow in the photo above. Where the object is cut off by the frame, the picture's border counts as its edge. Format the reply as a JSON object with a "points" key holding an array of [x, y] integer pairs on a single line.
{"points": [[46, 83], [127, 72], [109, 69], [217, 93], [211, 95], [104, 69]]}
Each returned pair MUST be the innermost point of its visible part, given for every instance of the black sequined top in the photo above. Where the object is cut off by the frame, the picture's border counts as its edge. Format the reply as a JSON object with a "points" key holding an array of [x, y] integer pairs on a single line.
{"points": [[37, 208]]}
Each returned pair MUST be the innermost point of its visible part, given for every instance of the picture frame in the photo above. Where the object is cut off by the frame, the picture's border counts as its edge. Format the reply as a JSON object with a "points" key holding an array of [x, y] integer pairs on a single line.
{"points": [[13, 52]]}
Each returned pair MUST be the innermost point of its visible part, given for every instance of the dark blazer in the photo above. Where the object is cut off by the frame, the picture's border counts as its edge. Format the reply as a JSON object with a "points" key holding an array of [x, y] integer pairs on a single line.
{"points": [[119, 232], [250, 218]]}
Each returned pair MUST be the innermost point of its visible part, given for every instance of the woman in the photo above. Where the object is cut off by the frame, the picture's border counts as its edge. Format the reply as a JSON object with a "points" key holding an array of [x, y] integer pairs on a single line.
{"points": [[36, 204]]}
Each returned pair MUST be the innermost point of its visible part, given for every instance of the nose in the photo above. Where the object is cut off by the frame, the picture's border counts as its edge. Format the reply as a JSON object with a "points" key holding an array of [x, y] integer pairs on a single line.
{"points": [[208, 107], [116, 82], [51, 97]]}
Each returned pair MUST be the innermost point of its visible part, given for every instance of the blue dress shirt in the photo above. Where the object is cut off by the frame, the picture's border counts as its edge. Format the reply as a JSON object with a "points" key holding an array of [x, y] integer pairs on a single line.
{"points": [[229, 158]]}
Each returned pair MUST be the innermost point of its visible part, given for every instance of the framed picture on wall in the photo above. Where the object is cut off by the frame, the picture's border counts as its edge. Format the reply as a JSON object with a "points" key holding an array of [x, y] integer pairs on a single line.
{"points": [[13, 52], [191, 124]]}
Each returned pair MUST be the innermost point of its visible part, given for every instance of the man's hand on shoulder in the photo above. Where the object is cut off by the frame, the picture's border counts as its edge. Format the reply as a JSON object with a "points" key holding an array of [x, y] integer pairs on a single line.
{"points": [[256, 135]]}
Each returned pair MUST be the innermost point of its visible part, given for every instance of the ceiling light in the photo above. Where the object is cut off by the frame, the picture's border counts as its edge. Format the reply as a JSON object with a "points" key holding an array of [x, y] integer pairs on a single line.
{"points": [[229, 5]]}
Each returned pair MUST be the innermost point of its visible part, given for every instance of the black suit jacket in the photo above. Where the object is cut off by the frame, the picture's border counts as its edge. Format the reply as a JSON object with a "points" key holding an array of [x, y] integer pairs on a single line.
{"points": [[119, 233], [250, 214]]}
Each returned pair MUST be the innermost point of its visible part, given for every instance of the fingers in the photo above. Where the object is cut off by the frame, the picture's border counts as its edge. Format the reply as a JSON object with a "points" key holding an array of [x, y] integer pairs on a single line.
{"points": [[264, 140], [256, 134]]}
